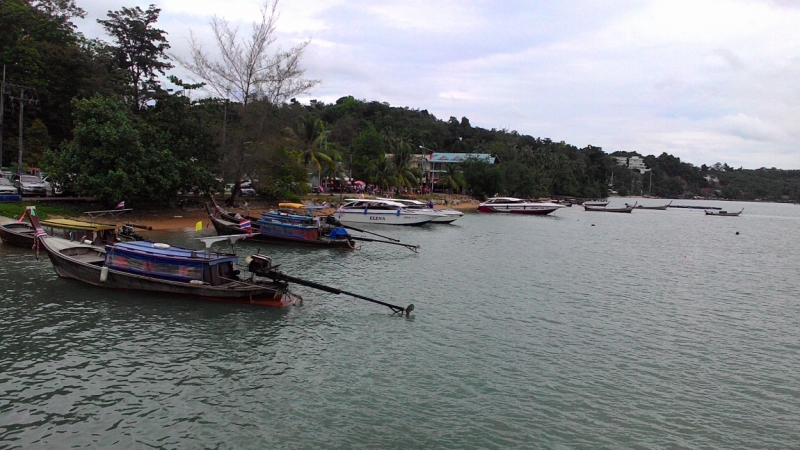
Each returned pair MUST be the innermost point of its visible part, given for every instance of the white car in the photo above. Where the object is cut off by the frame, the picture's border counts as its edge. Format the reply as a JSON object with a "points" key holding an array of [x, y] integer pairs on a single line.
{"points": [[6, 187], [248, 192]]}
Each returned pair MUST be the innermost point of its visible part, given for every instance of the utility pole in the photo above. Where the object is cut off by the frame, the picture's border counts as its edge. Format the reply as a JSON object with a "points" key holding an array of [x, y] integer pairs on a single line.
{"points": [[32, 98], [2, 104]]}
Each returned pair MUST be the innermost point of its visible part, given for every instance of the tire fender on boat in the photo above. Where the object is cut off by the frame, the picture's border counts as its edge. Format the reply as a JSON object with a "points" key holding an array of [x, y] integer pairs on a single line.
{"points": [[103, 274]]}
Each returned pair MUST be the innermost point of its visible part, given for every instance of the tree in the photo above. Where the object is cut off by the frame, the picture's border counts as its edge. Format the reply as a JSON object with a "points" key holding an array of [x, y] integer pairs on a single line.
{"points": [[108, 159], [381, 172], [402, 158], [140, 50], [248, 70], [452, 178], [310, 135]]}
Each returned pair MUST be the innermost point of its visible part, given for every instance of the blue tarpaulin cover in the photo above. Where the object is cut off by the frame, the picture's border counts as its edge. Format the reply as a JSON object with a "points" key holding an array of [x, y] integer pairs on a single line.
{"points": [[338, 232]]}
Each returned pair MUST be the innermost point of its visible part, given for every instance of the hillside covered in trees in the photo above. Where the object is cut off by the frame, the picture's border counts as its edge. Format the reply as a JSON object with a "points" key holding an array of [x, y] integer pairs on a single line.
{"points": [[100, 118]]}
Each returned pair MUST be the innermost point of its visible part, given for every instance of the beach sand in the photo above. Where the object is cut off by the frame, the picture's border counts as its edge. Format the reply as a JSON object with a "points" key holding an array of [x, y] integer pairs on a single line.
{"points": [[183, 218]]}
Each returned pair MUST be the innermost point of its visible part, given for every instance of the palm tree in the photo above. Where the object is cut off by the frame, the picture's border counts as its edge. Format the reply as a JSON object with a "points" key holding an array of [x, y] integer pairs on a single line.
{"points": [[382, 173], [311, 136], [452, 178], [402, 159]]}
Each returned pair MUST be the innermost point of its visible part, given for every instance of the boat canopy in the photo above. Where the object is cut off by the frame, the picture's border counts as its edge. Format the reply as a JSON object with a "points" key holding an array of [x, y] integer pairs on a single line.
{"points": [[80, 225], [292, 205], [167, 253], [163, 261]]}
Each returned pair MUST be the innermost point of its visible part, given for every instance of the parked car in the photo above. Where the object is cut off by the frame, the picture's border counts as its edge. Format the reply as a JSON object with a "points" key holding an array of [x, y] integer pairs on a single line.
{"points": [[248, 192], [29, 185], [6, 187]]}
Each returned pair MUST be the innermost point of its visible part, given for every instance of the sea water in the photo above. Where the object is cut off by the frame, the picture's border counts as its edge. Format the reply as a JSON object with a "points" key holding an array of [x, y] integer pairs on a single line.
{"points": [[655, 329]]}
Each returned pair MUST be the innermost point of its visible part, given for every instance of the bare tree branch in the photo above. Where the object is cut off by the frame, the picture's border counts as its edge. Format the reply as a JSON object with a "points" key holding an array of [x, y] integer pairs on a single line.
{"points": [[245, 69]]}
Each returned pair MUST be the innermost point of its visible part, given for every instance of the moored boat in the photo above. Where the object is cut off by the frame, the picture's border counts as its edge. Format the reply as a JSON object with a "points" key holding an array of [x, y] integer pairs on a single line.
{"points": [[380, 212], [626, 209], [517, 206], [22, 233], [655, 208], [596, 203], [279, 227], [442, 215], [724, 213], [159, 268]]}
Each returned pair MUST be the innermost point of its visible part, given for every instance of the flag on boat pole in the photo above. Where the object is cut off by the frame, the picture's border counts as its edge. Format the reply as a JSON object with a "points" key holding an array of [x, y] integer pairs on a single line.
{"points": [[245, 225], [120, 205]]}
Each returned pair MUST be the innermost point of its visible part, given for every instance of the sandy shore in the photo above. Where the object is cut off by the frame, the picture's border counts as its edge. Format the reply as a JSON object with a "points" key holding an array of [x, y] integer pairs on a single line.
{"points": [[182, 218]]}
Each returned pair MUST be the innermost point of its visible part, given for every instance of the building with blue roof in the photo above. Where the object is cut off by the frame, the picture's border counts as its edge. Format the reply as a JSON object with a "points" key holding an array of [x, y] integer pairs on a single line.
{"points": [[437, 162]]}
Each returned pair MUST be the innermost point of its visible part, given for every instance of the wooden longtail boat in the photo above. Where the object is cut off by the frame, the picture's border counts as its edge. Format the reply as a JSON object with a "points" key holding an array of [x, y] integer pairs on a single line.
{"points": [[626, 209], [280, 228], [21, 233], [159, 268], [655, 208], [724, 213]]}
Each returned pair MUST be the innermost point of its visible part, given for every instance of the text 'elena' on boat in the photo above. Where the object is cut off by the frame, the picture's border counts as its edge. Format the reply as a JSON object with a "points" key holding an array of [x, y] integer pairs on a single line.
{"points": [[517, 206], [381, 212], [160, 268], [441, 215], [293, 223]]}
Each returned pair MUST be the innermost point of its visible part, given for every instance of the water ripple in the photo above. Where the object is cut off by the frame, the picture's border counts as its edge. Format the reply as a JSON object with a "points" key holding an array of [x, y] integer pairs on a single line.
{"points": [[652, 330]]}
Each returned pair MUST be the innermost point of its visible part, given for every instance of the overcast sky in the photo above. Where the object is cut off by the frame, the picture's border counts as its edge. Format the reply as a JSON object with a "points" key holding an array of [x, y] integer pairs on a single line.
{"points": [[704, 80]]}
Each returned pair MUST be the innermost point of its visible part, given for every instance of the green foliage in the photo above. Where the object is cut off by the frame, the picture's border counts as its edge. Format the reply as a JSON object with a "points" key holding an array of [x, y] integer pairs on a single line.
{"points": [[109, 159], [309, 137], [14, 210], [482, 178], [452, 179], [382, 173], [140, 50]]}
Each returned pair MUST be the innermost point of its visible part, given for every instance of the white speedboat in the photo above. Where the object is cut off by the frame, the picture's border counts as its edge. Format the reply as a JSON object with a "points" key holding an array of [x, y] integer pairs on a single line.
{"points": [[517, 206], [382, 212], [596, 203], [442, 215]]}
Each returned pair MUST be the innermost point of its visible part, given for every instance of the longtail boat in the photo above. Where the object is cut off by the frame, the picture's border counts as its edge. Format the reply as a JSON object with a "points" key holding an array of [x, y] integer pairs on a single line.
{"points": [[287, 226], [724, 213], [655, 208], [163, 269], [281, 227], [626, 209], [159, 268], [22, 233]]}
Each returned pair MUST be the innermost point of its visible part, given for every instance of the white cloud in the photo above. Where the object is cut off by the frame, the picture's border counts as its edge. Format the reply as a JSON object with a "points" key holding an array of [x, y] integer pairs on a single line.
{"points": [[705, 80]]}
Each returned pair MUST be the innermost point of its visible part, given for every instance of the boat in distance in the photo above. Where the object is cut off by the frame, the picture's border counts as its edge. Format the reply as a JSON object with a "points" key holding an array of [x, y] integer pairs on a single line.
{"points": [[443, 215], [655, 208], [596, 203], [724, 213], [517, 206], [625, 209], [380, 212]]}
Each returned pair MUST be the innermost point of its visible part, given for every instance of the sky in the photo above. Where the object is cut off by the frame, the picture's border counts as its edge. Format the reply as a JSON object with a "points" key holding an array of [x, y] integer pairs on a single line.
{"points": [[705, 80]]}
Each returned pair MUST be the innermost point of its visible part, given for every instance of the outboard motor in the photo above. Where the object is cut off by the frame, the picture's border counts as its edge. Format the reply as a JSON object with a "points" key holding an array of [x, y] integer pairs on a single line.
{"points": [[130, 232], [259, 264]]}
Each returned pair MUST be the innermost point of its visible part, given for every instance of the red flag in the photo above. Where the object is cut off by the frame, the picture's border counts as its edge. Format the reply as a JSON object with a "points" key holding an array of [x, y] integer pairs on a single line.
{"points": [[120, 205]]}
